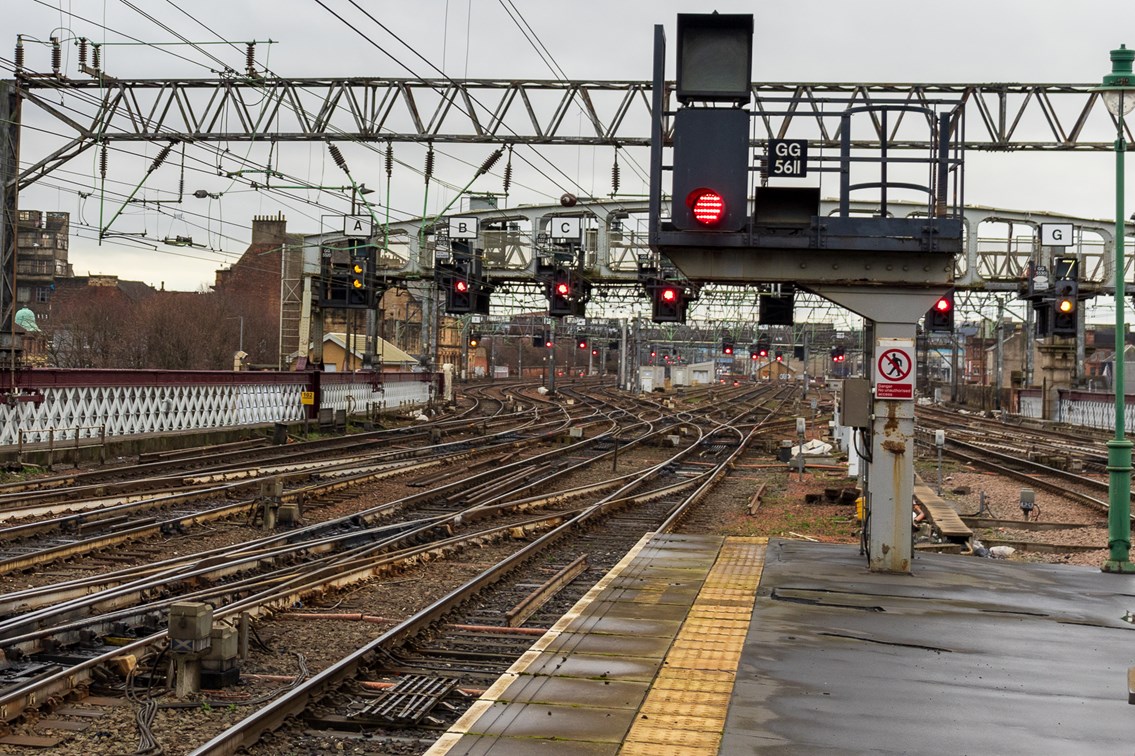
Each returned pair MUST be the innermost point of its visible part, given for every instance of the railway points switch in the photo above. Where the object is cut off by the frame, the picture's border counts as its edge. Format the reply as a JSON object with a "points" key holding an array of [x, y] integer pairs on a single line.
{"points": [[190, 623], [219, 663], [222, 650]]}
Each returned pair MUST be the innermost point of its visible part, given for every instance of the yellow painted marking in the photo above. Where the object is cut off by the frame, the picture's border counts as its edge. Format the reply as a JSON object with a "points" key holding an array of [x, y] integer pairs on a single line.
{"points": [[684, 713]]}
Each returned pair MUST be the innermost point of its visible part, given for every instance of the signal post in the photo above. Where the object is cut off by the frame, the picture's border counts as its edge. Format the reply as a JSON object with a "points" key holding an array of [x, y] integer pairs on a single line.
{"points": [[722, 227]]}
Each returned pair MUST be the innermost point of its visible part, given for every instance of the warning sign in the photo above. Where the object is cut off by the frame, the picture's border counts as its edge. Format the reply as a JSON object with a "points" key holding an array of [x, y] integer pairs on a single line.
{"points": [[894, 369]]}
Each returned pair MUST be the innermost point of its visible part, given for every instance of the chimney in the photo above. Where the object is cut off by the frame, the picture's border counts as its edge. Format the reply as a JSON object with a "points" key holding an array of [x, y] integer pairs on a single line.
{"points": [[269, 231]]}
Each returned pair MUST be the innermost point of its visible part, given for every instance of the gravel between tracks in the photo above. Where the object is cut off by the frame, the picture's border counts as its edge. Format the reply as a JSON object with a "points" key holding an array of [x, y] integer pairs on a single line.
{"points": [[782, 511]]}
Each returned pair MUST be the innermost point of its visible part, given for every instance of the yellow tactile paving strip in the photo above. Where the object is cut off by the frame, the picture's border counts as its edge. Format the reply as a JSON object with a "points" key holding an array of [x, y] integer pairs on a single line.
{"points": [[684, 712]]}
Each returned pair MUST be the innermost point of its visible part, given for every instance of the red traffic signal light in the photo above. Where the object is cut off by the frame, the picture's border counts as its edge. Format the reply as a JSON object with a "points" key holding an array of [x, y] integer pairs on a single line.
{"points": [[594, 352], [727, 348], [549, 344], [707, 206], [583, 344], [669, 295], [753, 354], [563, 289], [461, 286], [940, 317]]}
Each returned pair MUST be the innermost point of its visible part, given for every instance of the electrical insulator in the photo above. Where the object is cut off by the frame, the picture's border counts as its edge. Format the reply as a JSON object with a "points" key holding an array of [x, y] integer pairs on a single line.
{"points": [[490, 161], [82, 53], [615, 174], [161, 158], [337, 156], [508, 173], [19, 52], [56, 56], [429, 162], [96, 57], [102, 160], [389, 159], [250, 58]]}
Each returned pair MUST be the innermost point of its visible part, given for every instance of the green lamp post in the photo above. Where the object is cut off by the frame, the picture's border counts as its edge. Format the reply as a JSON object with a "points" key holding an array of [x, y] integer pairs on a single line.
{"points": [[1118, 93]]}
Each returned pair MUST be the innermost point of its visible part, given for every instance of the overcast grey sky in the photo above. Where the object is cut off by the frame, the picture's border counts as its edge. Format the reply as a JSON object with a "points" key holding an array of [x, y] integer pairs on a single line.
{"points": [[799, 41]]}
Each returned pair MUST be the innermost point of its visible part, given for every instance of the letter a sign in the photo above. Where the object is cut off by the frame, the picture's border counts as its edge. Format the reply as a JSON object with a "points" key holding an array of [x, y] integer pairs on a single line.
{"points": [[356, 225]]}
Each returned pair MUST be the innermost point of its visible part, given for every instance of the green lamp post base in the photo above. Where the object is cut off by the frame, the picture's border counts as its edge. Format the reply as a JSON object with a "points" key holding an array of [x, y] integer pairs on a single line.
{"points": [[1123, 568], [1119, 506]]}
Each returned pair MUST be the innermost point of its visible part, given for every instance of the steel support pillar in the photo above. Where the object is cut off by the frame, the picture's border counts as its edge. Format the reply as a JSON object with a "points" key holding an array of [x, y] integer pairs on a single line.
{"points": [[9, 202], [892, 316], [890, 468]]}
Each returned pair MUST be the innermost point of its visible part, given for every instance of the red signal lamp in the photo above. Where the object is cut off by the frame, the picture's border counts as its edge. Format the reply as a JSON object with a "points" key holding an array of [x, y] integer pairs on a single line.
{"points": [[707, 206], [943, 305], [562, 289], [461, 286], [669, 295]]}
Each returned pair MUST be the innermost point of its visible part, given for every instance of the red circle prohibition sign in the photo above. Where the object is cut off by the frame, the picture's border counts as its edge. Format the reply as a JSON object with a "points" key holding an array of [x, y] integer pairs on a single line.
{"points": [[894, 365]]}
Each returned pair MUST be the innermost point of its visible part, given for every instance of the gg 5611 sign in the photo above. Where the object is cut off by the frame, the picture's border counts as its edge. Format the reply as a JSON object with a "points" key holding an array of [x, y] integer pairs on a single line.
{"points": [[788, 157]]}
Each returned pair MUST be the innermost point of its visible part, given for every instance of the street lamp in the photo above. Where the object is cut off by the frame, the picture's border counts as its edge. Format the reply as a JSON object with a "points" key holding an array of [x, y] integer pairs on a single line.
{"points": [[1118, 93]]}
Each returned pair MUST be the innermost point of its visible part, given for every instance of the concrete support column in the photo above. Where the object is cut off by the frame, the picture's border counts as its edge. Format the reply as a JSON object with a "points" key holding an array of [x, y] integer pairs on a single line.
{"points": [[1056, 359]]}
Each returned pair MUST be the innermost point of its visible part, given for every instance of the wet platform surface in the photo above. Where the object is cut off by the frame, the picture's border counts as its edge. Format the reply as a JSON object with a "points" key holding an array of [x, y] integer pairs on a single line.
{"points": [[699, 645], [965, 656]]}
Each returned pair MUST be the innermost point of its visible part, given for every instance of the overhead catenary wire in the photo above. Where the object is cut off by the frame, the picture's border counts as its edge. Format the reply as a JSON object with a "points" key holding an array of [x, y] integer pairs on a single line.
{"points": [[269, 188], [183, 11]]}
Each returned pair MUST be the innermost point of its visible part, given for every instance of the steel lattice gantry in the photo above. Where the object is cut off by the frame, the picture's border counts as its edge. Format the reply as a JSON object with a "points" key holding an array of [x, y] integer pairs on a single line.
{"points": [[1008, 117], [1000, 116], [614, 242]]}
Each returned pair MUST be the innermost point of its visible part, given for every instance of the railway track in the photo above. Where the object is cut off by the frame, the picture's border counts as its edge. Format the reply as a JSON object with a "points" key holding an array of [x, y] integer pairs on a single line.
{"points": [[509, 499]]}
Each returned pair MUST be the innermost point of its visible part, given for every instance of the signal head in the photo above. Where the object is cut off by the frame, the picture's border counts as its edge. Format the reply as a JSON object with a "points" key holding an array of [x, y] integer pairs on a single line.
{"points": [[461, 286], [563, 289], [707, 206], [669, 295]]}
